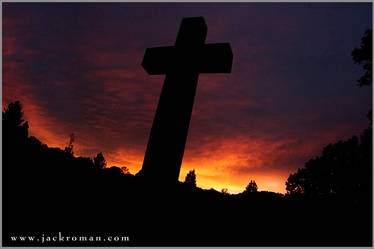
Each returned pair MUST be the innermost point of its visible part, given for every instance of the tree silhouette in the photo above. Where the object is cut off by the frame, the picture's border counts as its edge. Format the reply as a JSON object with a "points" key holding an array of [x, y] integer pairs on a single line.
{"points": [[69, 148], [251, 187], [294, 184], [13, 114], [13, 124], [99, 161], [191, 178], [342, 169], [345, 167], [363, 55]]}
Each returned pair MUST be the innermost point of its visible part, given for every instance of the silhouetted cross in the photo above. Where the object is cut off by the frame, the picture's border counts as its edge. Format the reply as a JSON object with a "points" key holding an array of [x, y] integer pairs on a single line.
{"points": [[182, 64]]}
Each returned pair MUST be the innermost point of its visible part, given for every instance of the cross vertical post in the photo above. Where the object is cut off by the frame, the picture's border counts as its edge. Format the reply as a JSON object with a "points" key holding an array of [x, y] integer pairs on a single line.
{"points": [[182, 64]]}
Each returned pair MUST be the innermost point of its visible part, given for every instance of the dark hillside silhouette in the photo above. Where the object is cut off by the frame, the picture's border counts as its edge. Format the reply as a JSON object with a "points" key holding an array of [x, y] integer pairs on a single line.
{"points": [[49, 189]]}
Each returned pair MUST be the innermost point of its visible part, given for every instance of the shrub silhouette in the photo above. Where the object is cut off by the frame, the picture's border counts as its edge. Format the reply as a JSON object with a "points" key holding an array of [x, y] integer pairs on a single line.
{"points": [[125, 170], [99, 161]]}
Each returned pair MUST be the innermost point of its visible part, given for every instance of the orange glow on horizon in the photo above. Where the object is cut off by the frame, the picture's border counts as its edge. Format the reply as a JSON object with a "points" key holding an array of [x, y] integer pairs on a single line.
{"points": [[210, 172], [206, 177], [239, 160]]}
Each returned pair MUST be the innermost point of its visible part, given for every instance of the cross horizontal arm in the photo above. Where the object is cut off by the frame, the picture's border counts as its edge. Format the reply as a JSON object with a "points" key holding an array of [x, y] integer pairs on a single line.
{"points": [[209, 58], [158, 60], [215, 58]]}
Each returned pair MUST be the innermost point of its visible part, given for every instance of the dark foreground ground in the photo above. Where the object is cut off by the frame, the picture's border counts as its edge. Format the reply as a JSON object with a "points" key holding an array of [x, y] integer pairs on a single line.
{"points": [[175, 215], [51, 194], [185, 218]]}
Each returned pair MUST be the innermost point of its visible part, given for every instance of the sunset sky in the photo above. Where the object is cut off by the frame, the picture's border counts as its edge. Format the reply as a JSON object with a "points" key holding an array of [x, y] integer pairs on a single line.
{"points": [[76, 68]]}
